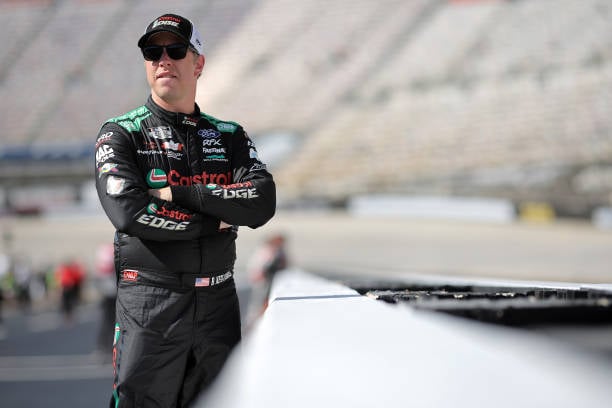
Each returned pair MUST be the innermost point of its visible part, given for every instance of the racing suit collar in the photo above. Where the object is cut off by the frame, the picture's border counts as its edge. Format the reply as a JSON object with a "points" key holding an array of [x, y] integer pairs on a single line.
{"points": [[174, 118]]}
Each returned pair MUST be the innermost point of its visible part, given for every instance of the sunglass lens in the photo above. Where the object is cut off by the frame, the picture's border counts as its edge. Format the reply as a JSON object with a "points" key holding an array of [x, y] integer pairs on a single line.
{"points": [[176, 51], [152, 52]]}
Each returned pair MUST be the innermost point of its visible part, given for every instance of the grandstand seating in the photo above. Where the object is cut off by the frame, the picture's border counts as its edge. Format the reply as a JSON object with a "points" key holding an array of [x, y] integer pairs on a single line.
{"points": [[386, 96], [82, 65], [540, 35]]}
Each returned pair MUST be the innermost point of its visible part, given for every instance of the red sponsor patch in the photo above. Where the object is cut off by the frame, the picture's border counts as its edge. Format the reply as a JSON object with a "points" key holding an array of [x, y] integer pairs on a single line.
{"points": [[130, 275]]}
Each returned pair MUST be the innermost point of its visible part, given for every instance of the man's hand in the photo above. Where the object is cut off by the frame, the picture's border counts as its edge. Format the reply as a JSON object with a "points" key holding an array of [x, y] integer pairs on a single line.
{"points": [[164, 193]]}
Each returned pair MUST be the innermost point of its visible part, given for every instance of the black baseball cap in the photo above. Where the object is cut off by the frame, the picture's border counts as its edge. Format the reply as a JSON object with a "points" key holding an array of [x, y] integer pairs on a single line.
{"points": [[176, 25]]}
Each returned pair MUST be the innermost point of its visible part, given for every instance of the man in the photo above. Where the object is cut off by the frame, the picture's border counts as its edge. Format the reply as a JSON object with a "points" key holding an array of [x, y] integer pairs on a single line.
{"points": [[176, 183]]}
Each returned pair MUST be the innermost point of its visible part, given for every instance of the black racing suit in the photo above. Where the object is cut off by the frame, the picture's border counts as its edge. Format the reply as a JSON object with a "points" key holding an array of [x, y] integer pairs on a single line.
{"points": [[177, 308]]}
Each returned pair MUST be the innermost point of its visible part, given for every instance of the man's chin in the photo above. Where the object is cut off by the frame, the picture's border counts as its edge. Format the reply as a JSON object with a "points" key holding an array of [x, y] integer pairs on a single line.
{"points": [[166, 94]]}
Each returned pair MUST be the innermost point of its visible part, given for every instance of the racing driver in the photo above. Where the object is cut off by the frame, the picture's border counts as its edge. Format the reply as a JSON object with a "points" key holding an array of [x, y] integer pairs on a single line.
{"points": [[176, 183]]}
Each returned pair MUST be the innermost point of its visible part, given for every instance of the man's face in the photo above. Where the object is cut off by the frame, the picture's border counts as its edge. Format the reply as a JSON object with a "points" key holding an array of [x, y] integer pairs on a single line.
{"points": [[173, 81]]}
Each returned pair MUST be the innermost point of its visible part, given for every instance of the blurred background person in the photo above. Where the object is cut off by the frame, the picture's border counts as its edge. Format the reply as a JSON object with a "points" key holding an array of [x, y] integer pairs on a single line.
{"points": [[107, 286], [22, 272], [263, 265], [5, 264], [70, 275]]}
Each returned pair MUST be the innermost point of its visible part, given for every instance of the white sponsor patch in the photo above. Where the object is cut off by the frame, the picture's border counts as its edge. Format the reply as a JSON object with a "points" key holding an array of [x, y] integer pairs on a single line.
{"points": [[104, 153], [160, 132], [162, 223], [114, 185], [103, 138], [165, 22], [239, 193]]}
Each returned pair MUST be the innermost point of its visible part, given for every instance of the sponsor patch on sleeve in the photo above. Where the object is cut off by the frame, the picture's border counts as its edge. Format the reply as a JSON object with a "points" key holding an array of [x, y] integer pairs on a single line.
{"points": [[107, 168], [115, 185], [104, 153]]}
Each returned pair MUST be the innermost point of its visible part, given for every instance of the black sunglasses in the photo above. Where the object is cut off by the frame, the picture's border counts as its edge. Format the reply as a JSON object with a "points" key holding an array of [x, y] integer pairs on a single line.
{"points": [[174, 51]]}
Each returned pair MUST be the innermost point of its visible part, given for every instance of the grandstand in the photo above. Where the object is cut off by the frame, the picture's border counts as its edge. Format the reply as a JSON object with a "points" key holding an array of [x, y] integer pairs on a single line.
{"points": [[500, 98]]}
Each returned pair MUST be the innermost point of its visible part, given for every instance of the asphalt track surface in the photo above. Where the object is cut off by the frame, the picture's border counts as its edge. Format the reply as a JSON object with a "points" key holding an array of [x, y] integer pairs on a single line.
{"points": [[45, 362]]}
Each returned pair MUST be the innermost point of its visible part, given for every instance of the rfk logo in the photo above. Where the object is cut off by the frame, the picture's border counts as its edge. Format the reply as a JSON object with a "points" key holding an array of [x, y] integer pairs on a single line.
{"points": [[130, 275]]}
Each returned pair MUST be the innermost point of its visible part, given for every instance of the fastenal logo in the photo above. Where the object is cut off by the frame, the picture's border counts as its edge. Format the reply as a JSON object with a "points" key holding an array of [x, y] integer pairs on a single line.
{"points": [[157, 178]]}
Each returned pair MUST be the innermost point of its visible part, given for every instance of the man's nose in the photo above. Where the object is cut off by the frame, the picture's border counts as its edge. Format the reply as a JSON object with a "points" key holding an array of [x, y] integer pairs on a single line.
{"points": [[164, 56]]}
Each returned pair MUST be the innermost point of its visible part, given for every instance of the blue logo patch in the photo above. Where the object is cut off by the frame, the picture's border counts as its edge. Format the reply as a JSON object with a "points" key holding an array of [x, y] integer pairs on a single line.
{"points": [[209, 133]]}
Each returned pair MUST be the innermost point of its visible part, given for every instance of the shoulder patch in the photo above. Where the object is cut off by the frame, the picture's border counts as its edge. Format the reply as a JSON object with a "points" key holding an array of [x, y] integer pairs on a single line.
{"points": [[226, 127], [131, 120], [221, 125]]}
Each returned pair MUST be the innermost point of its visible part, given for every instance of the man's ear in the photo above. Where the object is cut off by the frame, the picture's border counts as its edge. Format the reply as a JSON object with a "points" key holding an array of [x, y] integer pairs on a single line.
{"points": [[199, 65]]}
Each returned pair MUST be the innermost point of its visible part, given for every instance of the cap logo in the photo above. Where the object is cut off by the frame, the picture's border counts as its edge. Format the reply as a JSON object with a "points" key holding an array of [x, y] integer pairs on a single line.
{"points": [[167, 20], [162, 22]]}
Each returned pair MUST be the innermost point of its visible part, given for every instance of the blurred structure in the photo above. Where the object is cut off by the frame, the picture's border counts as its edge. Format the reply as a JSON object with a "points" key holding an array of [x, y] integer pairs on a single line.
{"points": [[506, 99]]}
